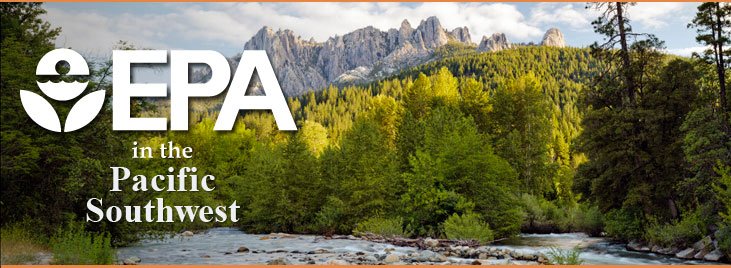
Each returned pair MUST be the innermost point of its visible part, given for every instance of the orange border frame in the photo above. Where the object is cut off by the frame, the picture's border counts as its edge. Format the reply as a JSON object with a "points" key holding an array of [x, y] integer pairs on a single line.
{"points": [[413, 1], [334, 266]]}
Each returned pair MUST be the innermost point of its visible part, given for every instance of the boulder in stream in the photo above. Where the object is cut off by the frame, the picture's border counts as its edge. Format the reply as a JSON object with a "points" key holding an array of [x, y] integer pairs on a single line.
{"points": [[430, 242], [714, 255], [279, 261], [687, 253], [634, 245], [430, 256], [704, 244], [392, 258], [131, 260], [242, 250], [337, 262]]}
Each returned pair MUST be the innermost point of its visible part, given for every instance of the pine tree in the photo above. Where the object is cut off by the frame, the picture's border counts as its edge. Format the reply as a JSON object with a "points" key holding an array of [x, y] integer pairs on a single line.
{"points": [[713, 24]]}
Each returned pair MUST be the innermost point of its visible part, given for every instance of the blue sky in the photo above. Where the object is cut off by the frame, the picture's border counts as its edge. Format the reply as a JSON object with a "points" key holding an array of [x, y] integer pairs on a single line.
{"points": [[93, 28]]}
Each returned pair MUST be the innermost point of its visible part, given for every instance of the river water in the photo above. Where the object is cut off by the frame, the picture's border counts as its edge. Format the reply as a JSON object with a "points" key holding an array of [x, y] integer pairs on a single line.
{"points": [[220, 245]]}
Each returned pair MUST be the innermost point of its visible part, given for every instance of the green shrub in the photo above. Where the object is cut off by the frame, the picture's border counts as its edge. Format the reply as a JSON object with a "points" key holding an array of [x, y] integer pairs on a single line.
{"points": [[331, 217], [723, 190], [623, 225], [591, 220], [73, 245], [381, 226], [723, 236], [541, 215], [468, 226], [677, 233], [564, 256]]}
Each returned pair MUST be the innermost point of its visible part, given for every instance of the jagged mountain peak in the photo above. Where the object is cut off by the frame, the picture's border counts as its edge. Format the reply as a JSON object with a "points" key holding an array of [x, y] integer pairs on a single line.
{"points": [[496, 42], [364, 54], [553, 38], [405, 25]]}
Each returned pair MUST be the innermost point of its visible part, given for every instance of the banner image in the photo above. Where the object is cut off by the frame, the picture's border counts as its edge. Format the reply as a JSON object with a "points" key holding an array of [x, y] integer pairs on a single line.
{"points": [[365, 133]]}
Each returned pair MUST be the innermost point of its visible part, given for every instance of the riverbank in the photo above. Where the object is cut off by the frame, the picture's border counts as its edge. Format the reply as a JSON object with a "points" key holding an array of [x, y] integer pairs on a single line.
{"points": [[17, 246], [231, 246], [706, 249]]}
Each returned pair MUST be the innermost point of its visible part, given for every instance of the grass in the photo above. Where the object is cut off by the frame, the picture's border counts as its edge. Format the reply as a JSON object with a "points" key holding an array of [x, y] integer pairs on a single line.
{"points": [[73, 245], [467, 227], [19, 246], [565, 256], [381, 226]]}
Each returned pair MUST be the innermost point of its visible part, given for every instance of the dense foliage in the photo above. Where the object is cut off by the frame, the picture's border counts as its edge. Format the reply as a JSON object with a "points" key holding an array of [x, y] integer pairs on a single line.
{"points": [[626, 140], [656, 132]]}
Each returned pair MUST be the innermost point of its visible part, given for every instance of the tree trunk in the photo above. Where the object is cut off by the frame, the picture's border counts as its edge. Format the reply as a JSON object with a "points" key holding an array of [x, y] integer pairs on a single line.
{"points": [[674, 213], [624, 54], [720, 68]]}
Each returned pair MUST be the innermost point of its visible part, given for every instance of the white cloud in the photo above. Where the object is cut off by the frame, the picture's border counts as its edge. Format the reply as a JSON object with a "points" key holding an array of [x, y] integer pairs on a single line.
{"points": [[322, 20], [686, 51], [95, 34], [232, 24], [573, 15], [651, 15], [655, 15]]}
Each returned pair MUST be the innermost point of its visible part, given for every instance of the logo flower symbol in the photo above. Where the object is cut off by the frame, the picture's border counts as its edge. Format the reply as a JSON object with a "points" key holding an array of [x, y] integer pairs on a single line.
{"points": [[41, 111]]}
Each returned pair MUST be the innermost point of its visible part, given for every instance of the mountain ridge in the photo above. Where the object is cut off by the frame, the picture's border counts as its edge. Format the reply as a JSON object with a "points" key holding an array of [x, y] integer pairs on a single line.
{"points": [[363, 55]]}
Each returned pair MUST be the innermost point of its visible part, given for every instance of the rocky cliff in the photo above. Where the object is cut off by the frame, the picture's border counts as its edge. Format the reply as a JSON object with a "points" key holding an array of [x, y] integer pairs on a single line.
{"points": [[496, 42], [364, 54], [303, 65], [553, 38]]}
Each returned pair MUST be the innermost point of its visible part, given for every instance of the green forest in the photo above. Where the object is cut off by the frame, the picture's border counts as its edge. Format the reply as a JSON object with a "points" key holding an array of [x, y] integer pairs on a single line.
{"points": [[617, 139]]}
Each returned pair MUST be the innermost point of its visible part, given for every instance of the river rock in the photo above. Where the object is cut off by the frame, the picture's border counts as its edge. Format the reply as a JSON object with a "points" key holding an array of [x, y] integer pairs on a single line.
{"points": [[131, 261], [670, 250], [471, 253], [430, 256], [432, 243], [319, 251], [242, 250], [392, 258], [687, 253], [542, 259], [704, 244], [279, 261], [370, 259], [634, 246], [700, 254], [337, 262], [714, 255], [187, 233], [281, 235]]}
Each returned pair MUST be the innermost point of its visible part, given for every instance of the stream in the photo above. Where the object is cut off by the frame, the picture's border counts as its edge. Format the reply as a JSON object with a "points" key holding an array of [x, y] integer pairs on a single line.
{"points": [[220, 246]]}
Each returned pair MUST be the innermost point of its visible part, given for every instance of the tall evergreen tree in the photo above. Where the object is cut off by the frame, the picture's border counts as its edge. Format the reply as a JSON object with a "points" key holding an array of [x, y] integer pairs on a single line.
{"points": [[713, 24]]}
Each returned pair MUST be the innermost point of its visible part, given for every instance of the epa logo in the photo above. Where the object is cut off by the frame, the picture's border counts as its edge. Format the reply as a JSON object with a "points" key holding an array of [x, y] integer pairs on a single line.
{"points": [[41, 111], [181, 90]]}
